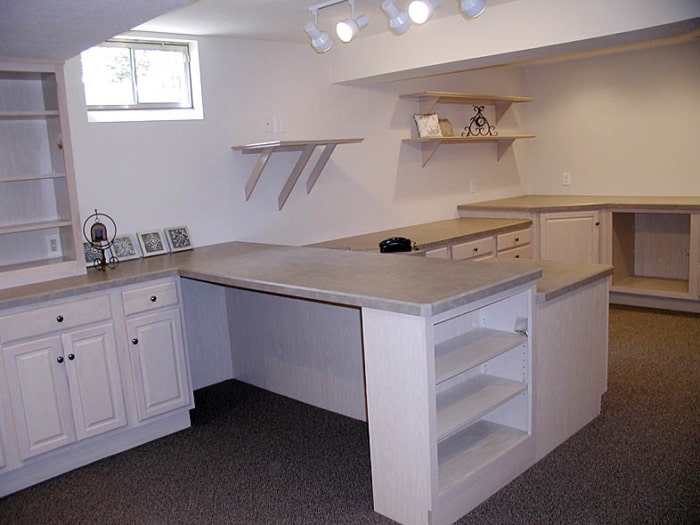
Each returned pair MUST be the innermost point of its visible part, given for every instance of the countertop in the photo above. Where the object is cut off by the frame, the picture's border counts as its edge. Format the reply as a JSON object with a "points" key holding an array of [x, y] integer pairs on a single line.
{"points": [[574, 202], [429, 235], [409, 285]]}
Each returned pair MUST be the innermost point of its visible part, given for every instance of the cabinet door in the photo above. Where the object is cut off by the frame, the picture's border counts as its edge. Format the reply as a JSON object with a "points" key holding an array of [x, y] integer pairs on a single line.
{"points": [[570, 236], [94, 379], [39, 395], [158, 361]]}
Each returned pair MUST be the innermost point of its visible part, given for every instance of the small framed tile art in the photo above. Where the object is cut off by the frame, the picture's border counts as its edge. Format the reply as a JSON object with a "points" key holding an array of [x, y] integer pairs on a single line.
{"points": [[178, 238], [152, 243]]}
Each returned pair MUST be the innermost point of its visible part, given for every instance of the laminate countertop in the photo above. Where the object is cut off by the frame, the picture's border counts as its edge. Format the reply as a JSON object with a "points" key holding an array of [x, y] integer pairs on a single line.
{"points": [[410, 285], [429, 235], [582, 202]]}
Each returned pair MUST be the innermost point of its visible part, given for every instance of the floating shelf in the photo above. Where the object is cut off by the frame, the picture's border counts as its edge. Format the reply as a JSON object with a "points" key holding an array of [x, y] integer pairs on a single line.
{"points": [[428, 99], [307, 147], [429, 145]]}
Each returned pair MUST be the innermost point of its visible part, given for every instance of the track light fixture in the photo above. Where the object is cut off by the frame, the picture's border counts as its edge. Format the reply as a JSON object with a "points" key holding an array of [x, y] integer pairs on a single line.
{"points": [[399, 22], [472, 8], [347, 29], [421, 10]]}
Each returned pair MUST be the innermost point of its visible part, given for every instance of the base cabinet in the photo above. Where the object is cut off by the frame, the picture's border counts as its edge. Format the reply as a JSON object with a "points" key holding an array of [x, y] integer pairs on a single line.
{"points": [[83, 379], [464, 429]]}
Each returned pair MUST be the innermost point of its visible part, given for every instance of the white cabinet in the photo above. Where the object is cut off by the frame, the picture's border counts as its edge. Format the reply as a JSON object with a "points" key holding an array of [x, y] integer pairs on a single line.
{"points": [[570, 236], [475, 250], [64, 385], [464, 428], [39, 232], [155, 333]]}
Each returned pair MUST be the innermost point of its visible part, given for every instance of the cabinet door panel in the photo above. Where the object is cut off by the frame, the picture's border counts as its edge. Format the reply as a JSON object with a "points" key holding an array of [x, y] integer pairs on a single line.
{"points": [[571, 236], [39, 396], [158, 361], [93, 373]]}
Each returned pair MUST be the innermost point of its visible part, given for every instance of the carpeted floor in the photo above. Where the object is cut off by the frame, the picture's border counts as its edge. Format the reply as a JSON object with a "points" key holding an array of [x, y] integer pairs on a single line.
{"points": [[252, 457]]}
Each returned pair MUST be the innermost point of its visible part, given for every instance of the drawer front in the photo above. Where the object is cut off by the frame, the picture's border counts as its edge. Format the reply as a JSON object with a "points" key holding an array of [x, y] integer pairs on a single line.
{"points": [[521, 252], [438, 253], [150, 297], [58, 317], [506, 241], [472, 249]]}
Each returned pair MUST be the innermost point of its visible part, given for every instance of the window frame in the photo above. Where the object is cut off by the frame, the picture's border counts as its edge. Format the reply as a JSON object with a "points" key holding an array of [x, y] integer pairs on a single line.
{"points": [[154, 111]]}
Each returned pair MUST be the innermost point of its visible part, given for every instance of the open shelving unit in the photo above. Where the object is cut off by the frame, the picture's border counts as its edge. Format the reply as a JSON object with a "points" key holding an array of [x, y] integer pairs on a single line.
{"points": [[306, 147], [427, 100], [38, 202]]}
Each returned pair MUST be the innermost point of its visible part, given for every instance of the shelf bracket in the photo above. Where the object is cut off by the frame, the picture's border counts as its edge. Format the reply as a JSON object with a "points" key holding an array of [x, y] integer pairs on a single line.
{"points": [[427, 104], [307, 147], [501, 107], [503, 145], [428, 149]]}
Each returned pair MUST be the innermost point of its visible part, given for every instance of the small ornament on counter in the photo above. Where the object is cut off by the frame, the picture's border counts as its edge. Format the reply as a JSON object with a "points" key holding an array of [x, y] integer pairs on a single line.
{"points": [[479, 126], [99, 241]]}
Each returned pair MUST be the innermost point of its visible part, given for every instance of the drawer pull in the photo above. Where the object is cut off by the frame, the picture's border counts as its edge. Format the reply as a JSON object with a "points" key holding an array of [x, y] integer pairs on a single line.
{"points": [[59, 318], [71, 357], [476, 250], [59, 359], [517, 256], [517, 239], [134, 341], [153, 298]]}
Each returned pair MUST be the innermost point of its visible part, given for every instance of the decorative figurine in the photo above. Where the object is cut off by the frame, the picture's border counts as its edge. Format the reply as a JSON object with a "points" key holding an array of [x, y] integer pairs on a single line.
{"points": [[479, 126], [100, 240]]}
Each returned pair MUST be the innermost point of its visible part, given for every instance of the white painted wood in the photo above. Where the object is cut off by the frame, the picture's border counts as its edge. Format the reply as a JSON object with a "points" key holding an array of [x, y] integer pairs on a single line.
{"points": [[478, 248], [439, 253], [570, 363], [472, 349], [399, 369], [95, 382], [141, 298], [60, 316], [570, 236], [37, 188], [39, 395], [158, 362], [305, 350], [506, 241], [521, 252], [208, 341]]}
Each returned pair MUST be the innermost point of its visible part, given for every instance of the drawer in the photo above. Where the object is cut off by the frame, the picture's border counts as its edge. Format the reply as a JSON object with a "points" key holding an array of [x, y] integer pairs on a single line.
{"points": [[58, 317], [472, 249], [510, 240], [149, 297], [521, 252], [438, 253]]}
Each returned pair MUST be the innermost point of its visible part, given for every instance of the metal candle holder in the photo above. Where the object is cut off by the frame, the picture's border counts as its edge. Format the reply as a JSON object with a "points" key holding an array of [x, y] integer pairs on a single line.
{"points": [[100, 239]]}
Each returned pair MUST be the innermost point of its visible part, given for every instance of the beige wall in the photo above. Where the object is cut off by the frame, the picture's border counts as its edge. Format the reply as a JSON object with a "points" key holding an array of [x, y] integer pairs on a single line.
{"points": [[620, 124]]}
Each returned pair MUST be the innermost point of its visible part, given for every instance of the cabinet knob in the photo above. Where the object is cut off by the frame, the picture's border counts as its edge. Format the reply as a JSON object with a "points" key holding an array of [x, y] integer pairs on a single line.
{"points": [[517, 256], [517, 239], [476, 250], [597, 224], [134, 341], [153, 298], [59, 318], [59, 359], [71, 357]]}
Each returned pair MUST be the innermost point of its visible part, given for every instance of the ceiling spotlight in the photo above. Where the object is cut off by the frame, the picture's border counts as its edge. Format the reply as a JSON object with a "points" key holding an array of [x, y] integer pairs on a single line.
{"points": [[320, 40], [347, 29], [398, 20], [421, 10], [473, 8]]}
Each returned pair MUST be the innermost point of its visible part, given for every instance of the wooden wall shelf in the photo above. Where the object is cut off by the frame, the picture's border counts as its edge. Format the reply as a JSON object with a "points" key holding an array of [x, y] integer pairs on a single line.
{"points": [[429, 145], [428, 99], [307, 147]]}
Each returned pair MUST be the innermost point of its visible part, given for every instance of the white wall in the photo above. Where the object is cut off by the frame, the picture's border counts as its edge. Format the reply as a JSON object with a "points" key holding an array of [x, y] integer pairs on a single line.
{"points": [[155, 174], [620, 124]]}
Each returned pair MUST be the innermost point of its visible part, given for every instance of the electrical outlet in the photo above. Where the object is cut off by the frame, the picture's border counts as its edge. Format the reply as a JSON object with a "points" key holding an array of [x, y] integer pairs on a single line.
{"points": [[53, 245], [472, 186], [268, 124], [566, 179]]}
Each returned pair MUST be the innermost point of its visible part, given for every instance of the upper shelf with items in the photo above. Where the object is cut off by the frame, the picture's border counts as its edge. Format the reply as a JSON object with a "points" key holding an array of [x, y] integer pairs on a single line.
{"points": [[307, 147], [427, 100]]}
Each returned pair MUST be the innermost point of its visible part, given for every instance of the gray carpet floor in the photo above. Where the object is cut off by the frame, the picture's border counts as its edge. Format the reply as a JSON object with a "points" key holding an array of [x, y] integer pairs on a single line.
{"points": [[252, 457]]}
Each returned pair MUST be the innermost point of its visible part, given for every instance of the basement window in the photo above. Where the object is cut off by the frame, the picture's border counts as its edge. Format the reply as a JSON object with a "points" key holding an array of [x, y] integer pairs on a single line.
{"points": [[145, 79]]}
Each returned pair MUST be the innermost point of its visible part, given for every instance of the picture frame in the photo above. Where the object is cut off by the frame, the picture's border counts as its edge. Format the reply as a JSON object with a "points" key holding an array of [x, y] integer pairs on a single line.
{"points": [[91, 254], [152, 243], [178, 238], [125, 247], [428, 125], [446, 128]]}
